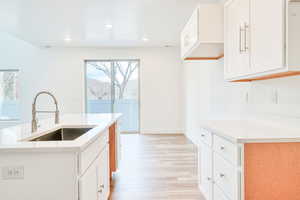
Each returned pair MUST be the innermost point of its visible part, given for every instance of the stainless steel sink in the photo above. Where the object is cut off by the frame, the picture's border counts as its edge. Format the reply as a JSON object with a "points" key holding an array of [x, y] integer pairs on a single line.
{"points": [[63, 134]]}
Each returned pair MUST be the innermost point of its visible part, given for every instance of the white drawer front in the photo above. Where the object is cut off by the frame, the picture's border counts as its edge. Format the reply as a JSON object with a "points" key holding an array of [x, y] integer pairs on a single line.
{"points": [[92, 151], [218, 194], [206, 136], [226, 177], [227, 150], [205, 162]]}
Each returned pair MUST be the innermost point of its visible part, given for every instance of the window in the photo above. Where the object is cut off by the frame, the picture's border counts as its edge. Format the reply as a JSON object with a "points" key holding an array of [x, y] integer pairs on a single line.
{"points": [[9, 95], [112, 86]]}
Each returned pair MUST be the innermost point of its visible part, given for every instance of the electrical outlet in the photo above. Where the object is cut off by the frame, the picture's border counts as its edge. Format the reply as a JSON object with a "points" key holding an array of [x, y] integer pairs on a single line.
{"points": [[274, 97], [13, 172], [247, 97]]}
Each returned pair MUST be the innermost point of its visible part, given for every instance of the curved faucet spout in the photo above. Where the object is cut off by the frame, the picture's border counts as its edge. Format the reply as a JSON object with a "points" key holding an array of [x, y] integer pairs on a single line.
{"points": [[34, 111]]}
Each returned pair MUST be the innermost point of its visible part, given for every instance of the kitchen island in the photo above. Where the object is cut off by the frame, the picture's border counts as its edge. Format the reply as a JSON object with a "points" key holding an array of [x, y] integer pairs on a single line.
{"points": [[71, 160], [248, 159]]}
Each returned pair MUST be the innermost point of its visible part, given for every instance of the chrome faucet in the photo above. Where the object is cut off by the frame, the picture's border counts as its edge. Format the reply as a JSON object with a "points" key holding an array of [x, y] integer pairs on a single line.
{"points": [[34, 125]]}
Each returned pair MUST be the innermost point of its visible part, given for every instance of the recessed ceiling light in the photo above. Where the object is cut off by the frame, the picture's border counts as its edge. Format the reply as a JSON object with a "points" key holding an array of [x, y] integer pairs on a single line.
{"points": [[108, 26], [68, 39], [145, 39]]}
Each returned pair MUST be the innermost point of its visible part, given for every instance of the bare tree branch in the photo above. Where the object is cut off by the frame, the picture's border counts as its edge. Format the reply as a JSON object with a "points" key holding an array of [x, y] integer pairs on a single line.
{"points": [[120, 84], [107, 72]]}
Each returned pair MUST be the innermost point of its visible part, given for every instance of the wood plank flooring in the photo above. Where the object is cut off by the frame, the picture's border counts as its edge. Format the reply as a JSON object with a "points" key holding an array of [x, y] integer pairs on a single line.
{"points": [[156, 167]]}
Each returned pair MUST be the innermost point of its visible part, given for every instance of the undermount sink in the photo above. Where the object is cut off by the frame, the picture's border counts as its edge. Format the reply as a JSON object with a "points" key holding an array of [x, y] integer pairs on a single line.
{"points": [[63, 134]]}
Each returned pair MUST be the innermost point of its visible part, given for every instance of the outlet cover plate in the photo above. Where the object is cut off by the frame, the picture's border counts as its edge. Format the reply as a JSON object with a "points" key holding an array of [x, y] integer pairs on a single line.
{"points": [[13, 172]]}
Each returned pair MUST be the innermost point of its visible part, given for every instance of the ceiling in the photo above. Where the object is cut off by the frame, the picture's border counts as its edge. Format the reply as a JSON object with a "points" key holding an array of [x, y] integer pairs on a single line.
{"points": [[96, 23]]}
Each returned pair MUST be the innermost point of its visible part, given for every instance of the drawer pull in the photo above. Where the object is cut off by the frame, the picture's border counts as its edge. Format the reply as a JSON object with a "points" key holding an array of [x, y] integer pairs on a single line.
{"points": [[100, 191], [208, 178], [222, 148], [102, 186], [202, 135], [222, 175]]}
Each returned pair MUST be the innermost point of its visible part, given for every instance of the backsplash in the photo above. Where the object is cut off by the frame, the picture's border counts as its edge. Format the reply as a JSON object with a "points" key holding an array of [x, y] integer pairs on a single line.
{"points": [[275, 98], [278, 97]]}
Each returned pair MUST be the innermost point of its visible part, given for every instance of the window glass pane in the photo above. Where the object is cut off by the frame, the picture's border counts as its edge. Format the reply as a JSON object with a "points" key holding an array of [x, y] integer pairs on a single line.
{"points": [[127, 94], [9, 95], [98, 83]]}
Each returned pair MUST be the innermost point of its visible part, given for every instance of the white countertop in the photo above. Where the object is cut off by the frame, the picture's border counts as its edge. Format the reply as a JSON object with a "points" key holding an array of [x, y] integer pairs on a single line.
{"points": [[255, 131], [16, 138]]}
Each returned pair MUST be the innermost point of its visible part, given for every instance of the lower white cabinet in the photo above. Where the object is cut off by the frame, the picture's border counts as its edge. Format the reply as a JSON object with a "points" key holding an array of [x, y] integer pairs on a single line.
{"points": [[226, 176], [218, 194], [88, 184], [205, 171], [94, 183], [219, 168], [103, 175]]}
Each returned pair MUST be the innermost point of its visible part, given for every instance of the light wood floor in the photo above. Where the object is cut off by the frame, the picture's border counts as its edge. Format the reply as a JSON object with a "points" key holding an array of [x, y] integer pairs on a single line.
{"points": [[156, 167]]}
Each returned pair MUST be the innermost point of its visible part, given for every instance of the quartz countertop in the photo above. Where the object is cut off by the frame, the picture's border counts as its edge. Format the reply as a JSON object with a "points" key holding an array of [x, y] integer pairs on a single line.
{"points": [[255, 131], [17, 138]]}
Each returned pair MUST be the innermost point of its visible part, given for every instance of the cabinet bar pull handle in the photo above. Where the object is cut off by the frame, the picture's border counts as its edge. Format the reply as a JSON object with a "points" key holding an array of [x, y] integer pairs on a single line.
{"points": [[222, 175], [246, 27], [240, 44]]}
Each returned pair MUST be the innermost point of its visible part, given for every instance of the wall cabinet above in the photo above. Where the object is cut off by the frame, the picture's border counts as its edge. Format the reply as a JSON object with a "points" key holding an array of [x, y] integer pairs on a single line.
{"points": [[202, 36], [261, 41]]}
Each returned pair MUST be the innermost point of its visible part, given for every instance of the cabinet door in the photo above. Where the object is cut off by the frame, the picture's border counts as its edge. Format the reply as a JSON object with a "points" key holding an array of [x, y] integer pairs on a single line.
{"points": [[267, 34], [88, 184], [205, 170], [103, 175], [218, 194], [190, 34], [237, 58]]}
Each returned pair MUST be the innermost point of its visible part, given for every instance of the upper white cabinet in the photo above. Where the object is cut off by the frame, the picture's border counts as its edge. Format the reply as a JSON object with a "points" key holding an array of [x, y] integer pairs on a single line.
{"points": [[203, 34], [237, 19], [267, 34], [260, 38]]}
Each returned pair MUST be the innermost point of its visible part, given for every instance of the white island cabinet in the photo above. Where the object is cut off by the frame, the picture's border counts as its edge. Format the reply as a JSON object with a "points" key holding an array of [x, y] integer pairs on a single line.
{"points": [[94, 182], [58, 169]]}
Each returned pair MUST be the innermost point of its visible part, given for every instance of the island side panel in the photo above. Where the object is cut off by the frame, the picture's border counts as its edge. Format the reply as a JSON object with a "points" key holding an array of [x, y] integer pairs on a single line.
{"points": [[46, 176], [272, 171], [112, 148]]}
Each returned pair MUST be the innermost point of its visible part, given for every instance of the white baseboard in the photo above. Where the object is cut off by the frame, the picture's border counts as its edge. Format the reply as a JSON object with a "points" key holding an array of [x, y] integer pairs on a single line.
{"points": [[162, 132]]}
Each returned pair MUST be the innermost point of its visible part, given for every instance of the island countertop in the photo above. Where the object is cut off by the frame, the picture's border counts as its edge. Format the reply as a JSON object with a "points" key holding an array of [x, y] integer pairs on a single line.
{"points": [[255, 131], [17, 138]]}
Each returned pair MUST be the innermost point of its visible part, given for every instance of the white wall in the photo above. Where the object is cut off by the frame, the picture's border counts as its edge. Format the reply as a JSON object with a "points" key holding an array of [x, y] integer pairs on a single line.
{"points": [[61, 71], [160, 71], [18, 54], [268, 99]]}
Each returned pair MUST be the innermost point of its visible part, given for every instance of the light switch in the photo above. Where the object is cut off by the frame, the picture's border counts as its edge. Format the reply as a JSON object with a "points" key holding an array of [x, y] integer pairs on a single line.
{"points": [[13, 172]]}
